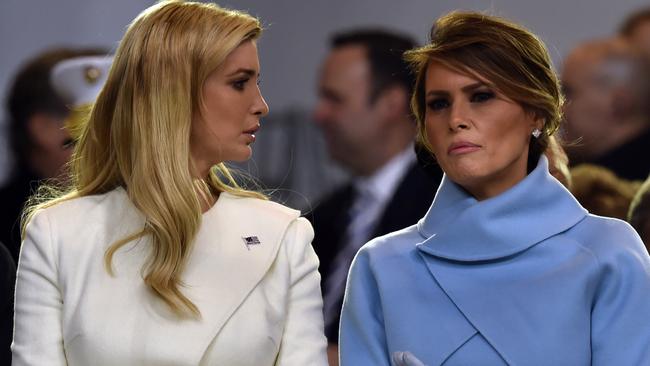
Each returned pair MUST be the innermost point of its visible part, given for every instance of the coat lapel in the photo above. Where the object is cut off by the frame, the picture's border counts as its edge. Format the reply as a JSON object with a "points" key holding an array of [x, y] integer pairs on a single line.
{"points": [[223, 269], [476, 253], [460, 228], [226, 266]]}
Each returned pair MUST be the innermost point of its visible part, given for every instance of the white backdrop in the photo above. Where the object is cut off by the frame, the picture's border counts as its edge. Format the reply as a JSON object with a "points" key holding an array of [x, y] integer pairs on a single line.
{"points": [[296, 35]]}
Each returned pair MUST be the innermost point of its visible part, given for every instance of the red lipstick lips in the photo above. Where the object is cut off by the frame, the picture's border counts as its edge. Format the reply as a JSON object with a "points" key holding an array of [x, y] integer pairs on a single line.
{"points": [[462, 147]]}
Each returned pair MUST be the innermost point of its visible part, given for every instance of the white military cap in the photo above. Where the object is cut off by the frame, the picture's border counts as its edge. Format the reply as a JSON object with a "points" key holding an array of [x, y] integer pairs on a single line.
{"points": [[79, 80]]}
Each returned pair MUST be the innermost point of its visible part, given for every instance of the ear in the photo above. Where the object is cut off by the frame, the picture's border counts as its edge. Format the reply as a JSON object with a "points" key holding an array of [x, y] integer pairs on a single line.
{"points": [[392, 102]]}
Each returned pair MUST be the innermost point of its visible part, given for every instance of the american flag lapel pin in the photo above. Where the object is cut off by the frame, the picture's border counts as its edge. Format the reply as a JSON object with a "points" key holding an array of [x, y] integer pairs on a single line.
{"points": [[251, 240]]}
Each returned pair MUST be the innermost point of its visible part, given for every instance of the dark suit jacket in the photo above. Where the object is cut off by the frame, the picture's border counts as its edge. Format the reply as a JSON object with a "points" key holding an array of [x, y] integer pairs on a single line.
{"points": [[410, 202], [7, 283], [13, 197], [630, 160]]}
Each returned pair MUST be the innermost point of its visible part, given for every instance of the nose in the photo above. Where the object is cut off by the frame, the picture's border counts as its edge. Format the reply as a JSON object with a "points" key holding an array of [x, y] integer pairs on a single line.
{"points": [[260, 108], [459, 118]]}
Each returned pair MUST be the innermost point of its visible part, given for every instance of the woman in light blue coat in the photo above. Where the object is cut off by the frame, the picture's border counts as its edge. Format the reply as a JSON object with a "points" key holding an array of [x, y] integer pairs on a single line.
{"points": [[506, 268]]}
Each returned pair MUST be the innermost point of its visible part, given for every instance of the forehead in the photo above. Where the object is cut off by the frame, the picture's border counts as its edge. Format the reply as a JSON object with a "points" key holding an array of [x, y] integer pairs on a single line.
{"points": [[439, 72], [347, 64], [242, 57]]}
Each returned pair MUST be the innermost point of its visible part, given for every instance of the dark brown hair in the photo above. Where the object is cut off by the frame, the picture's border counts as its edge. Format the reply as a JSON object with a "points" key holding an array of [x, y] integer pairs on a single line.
{"points": [[509, 56], [633, 21], [384, 51]]}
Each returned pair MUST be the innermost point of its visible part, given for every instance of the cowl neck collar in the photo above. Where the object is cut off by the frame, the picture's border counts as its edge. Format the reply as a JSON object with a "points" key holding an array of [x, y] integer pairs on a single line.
{"points": [[460, 228]]}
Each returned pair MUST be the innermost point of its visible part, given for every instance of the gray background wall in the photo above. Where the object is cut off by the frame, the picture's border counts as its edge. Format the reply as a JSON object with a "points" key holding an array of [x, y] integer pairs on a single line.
{"points": [[297, 31]]}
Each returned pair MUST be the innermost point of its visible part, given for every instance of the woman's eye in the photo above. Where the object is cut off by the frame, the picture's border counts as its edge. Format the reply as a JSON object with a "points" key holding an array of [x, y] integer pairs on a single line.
{"points": [[479, 97], [437, 104], [239, 84]]}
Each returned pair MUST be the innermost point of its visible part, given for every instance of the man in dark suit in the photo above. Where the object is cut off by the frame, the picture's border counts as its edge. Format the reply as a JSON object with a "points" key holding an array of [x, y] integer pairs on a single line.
{"points": [[363, 111]]}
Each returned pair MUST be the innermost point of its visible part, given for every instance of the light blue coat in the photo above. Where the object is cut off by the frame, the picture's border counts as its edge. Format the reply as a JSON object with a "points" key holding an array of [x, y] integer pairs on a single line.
{"points": [[524, 278]]}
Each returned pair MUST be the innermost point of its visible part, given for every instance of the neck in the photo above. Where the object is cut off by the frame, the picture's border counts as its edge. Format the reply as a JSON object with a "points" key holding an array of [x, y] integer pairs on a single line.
{"points": [[205, 194]]}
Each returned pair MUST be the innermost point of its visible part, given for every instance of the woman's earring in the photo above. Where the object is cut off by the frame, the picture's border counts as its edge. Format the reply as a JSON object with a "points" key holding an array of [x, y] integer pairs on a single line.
{"points": [[536, 133]]}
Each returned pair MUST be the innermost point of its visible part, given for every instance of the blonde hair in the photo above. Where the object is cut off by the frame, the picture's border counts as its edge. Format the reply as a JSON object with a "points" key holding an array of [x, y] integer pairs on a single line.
{"points": [[504, 53], [138, 133]]}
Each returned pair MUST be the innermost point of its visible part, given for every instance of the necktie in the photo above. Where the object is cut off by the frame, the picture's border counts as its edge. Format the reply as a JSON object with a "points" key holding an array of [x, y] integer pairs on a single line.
{"points": [[357, 233]]}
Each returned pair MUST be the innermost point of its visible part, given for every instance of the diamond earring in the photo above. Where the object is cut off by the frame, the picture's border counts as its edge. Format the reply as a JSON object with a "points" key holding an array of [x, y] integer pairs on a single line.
{"points": [[536, 133]]}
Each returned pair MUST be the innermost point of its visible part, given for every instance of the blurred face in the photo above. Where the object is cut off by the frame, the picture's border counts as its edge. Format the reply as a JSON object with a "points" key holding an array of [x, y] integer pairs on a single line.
{"points": [[588, 109], [51, 145], [233, 105], [350, 123], [640, 37], [479, 137]]}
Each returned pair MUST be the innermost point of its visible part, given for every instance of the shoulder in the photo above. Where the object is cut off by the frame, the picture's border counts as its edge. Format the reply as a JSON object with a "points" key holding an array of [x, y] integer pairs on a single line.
{"points": [[607, 237], [617, 250], [258, 208], [69, 211], [75, 223], [398, 245]]}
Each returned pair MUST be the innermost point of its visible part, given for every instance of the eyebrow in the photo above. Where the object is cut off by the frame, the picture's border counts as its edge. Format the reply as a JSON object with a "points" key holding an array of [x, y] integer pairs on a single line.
{"points": [[466, 89], [249, 72]]}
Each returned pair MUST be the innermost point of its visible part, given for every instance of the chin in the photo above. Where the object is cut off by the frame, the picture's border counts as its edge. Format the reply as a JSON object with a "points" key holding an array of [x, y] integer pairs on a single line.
{"points": [[242, 156], [464, 169]]}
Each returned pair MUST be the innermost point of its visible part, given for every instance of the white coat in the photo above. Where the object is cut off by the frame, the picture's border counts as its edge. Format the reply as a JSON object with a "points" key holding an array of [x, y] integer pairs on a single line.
{"points": [[260, 303]]}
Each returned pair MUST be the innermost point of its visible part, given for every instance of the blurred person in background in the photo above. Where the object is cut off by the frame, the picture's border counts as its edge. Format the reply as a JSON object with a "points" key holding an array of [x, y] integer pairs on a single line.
{"points": [[77, 81], [607, 112], [39, 142], [601, 192], [363, 112]]}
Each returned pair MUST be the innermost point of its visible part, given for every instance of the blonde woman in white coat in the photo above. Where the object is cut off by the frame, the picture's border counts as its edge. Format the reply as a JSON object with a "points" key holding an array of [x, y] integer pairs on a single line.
{"points": [[154, 255]]}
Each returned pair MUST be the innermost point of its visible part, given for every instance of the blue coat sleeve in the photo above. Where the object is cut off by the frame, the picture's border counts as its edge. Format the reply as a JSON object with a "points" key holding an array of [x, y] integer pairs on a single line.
{"points": [[362, 337], [620, 323]]}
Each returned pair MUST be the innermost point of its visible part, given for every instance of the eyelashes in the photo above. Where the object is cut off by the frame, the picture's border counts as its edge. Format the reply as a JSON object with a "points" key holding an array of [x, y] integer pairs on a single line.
{"points": [[483, 96], [440, 103], [240, 84]]}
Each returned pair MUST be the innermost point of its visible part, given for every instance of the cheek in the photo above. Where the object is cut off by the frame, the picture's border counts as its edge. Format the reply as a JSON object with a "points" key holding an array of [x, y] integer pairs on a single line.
{"points": [[435, 135], [511, 143]]}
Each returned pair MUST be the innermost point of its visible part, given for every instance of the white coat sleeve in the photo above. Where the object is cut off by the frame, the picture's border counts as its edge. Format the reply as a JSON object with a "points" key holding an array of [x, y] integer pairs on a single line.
{"points": [[38, 335], [303, 340]]}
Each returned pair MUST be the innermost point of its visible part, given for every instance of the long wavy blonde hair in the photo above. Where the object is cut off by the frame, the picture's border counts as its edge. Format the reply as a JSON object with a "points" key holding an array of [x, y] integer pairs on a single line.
{"points": [[138, 134]]}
